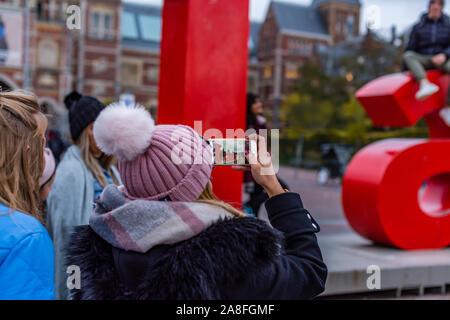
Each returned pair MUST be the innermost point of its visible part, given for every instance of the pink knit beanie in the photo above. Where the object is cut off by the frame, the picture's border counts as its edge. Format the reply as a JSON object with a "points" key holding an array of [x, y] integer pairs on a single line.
{"points": [[155, 162]]}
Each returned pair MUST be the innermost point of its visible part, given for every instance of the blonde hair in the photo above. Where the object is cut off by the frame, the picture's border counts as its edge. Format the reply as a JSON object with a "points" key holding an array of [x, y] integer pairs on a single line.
{"points": [[209, 197], [93, 164], [22, 140]]}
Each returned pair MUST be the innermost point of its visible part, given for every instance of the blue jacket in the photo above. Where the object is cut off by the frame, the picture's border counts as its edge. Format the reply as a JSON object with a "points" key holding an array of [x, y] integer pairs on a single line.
{"points": [[69, 204], [430, 37], [26, 258]]}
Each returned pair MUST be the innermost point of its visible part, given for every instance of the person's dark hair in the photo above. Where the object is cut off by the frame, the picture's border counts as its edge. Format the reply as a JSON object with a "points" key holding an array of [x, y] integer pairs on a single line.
{"points": [[441, 1], [251, 117]]}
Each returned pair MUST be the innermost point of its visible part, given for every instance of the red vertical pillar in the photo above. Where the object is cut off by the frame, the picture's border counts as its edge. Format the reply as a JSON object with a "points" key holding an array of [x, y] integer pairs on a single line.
{"points": [[203, 76]]}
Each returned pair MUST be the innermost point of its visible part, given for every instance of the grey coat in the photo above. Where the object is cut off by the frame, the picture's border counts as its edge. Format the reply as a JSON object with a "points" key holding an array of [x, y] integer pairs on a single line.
{"points": [[69, 204]]}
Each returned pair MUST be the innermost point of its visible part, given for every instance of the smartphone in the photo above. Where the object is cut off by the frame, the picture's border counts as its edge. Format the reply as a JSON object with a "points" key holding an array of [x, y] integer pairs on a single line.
{"points": [[231, 152]]}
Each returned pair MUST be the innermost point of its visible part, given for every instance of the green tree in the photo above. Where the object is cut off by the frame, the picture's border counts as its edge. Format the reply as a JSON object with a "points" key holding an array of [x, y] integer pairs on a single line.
{"points": [[357, 122], [315, 104], [370, 59], [301, 114]]}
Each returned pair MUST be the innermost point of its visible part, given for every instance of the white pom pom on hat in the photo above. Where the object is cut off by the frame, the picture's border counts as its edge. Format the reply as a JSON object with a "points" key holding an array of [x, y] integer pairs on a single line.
{"points": [[125, 131]]}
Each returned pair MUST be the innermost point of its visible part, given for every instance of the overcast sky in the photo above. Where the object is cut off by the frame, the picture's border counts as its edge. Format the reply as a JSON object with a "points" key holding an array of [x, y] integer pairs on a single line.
{"points": [[401, 13]]}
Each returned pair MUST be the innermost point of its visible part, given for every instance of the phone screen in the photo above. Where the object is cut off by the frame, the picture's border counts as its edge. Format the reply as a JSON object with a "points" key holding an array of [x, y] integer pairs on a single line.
{"points": [[231, 152]]}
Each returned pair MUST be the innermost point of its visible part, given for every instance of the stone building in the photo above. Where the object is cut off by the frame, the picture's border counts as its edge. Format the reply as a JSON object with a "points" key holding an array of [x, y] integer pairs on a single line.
{"points": [[291, 34], [44, 56], [34, 48], [116, 50], [141, 37]]}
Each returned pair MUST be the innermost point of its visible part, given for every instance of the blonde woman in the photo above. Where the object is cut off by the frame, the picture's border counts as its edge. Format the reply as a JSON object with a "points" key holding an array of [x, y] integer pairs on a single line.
{"points": [[26, 250], [80, 177], [164, 235]]}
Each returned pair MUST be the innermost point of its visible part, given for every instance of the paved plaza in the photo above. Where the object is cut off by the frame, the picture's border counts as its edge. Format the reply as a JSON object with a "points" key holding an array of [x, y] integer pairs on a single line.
{"points": [[423, 274]]}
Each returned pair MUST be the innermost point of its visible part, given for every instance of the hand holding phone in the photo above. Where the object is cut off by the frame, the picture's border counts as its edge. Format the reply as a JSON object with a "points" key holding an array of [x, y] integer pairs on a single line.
{"points": [[261, 167]]}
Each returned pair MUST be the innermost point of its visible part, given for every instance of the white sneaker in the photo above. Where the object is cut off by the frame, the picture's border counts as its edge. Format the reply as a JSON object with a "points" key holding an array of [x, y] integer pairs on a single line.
{"points": [[426, 90], [445, 115]]}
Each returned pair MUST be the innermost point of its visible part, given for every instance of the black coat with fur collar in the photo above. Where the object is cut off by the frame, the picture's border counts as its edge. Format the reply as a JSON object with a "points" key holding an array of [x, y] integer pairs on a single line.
{"points": [[233, 259]]}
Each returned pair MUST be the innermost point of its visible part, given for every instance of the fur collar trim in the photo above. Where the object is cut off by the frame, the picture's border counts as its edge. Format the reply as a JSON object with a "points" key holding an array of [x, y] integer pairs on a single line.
{"points": [[195, 269]]}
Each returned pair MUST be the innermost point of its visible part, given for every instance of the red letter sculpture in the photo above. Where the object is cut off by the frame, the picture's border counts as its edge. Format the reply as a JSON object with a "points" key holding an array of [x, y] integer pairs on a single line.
{"points": [[397, 191], [204, 60]]}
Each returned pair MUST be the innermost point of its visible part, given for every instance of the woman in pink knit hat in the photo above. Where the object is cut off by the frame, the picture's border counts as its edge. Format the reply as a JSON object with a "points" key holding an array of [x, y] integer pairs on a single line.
{"points": [[164, 235]]}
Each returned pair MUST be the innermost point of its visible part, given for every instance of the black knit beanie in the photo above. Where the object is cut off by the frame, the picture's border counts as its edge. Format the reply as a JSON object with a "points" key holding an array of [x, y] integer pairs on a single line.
{"points": [[71, 98], [83, 110]]}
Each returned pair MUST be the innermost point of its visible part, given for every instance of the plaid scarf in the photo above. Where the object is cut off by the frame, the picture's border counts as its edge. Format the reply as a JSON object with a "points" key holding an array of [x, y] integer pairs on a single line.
{"points": [[140, 225]]}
